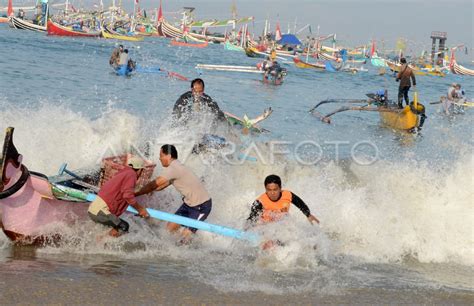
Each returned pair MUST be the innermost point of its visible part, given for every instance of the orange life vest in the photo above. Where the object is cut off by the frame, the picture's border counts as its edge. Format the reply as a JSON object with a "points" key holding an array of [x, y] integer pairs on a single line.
{"points": [[274, 211]]}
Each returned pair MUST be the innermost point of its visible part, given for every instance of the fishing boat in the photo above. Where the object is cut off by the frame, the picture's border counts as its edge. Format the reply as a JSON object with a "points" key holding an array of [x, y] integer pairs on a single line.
{"points": [[33, 205], [185, 43], [301, 64], [230, 46], [24, 24], [407, 118], [29, 201], [232, 68], [433, 72], [461, 70], [56, 29], [108, 35], [4, 19]]}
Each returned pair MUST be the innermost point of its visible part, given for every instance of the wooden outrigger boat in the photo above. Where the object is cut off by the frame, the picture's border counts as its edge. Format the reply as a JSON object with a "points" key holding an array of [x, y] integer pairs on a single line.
{"points": [[59, 30], [32, 203], [461, 70], [407, 118], [433, 72], [23, 24], [232, 68], [35, 207], [180, 43], [107, 35], [301, 64]]}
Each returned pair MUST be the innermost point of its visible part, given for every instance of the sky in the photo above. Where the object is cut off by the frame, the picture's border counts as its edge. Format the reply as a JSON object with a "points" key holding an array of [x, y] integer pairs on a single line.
{"points": [[355, 22]]}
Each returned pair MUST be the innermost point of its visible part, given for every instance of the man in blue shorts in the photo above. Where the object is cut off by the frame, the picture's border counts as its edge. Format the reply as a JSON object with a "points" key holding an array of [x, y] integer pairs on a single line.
{"points": [[197, 203]]}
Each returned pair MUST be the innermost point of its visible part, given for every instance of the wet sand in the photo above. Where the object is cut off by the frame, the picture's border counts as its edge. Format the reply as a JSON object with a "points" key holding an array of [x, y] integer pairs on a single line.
{"points": [[115, 290]]}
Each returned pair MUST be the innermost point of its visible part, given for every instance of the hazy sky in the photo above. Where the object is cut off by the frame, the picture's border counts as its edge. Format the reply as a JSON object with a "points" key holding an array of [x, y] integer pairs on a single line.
{"points": [[354, 21]]}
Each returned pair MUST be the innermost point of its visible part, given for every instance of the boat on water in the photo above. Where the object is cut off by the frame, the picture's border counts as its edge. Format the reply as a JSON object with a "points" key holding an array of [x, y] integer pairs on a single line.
{"points": [[108, 34], [33, 203], [416, 70], [302, 64], [187, 43], [391, 116], [24, 24], [56, 29]]}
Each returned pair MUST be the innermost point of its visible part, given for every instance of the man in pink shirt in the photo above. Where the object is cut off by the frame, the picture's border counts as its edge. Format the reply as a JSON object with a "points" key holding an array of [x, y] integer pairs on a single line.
{"points": [[115, 196]]}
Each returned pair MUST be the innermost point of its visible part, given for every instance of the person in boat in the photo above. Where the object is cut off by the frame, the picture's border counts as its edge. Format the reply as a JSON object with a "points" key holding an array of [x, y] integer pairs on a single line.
{"points": [[454, 95], [115, 196], [21, 14], [195, 101], [197, 203], [115, 57], [44, 11], [404, 76], [274, 70], [274, 204]]}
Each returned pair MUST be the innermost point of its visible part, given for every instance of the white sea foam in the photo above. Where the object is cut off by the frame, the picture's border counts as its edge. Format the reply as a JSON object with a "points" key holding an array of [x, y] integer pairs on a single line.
{"points": [[379, 213]]}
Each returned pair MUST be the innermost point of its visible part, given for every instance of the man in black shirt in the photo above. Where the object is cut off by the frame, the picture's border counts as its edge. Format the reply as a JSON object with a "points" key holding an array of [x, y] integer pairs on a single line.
{"points": [[196, 101]]}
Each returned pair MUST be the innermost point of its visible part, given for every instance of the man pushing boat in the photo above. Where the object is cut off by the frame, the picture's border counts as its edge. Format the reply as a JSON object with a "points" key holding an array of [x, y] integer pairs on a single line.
{"points": [[115, 196], [197, 203]]}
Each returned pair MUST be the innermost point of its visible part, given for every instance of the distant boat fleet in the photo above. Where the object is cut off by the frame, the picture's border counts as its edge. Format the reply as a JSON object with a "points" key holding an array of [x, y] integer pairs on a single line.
{"points": [[115, 23]]}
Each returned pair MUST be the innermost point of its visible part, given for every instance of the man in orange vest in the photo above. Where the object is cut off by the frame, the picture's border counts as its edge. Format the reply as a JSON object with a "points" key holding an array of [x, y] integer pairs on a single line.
{"points": [[274, 204]]}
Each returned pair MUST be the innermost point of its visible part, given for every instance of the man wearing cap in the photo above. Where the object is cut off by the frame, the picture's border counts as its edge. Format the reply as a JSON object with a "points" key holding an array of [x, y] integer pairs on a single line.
{"points": [[115, 196]]}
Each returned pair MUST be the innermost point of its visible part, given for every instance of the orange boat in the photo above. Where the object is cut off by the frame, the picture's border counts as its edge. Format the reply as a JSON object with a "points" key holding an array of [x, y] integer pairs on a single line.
{"points": [[189, 44]]}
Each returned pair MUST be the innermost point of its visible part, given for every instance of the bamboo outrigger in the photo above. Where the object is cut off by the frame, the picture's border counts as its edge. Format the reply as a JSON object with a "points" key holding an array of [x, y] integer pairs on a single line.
{"points": [[407, 118]]}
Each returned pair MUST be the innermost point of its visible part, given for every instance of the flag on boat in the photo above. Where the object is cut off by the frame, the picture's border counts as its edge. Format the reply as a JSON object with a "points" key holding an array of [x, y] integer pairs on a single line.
{"points": [[160, 13], [277, 32], [10, 8]]}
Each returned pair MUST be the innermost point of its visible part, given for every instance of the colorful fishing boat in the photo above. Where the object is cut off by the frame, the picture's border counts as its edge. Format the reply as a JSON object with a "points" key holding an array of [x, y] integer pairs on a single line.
{"points": [[230, 46], [461, 70], [301, 64], [433, 72], [24, 24], [59, 30], [106, 34], [185, 43], [35, 208], [29, 202], [391, 116]]}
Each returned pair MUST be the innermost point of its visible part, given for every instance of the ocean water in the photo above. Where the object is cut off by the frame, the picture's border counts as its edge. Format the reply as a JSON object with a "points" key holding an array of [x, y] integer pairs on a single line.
{"points": [[396, 209]]}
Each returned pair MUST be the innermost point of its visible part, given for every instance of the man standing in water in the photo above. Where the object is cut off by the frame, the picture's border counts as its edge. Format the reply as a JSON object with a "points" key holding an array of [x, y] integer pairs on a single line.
{"points": [[274, 204], [197, 203], [115, 196], [404, 77], [195, 101], [115, 57]]}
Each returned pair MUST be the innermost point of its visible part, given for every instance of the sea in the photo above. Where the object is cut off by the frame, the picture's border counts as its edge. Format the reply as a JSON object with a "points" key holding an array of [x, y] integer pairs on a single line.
{"points": [[395, 208]]}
